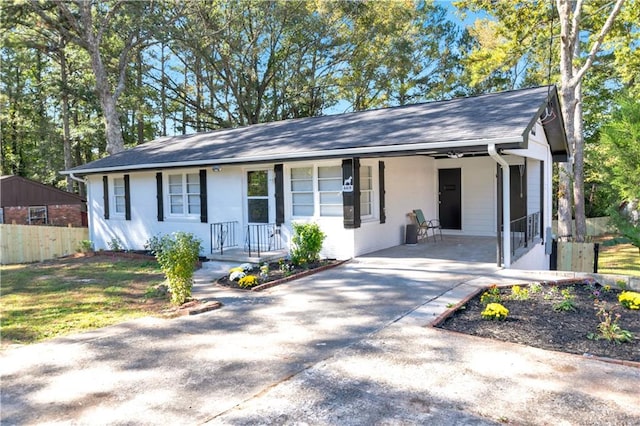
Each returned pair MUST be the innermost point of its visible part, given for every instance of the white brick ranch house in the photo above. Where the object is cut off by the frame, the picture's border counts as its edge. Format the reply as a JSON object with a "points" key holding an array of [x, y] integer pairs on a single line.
{"points": [[357, 175]]}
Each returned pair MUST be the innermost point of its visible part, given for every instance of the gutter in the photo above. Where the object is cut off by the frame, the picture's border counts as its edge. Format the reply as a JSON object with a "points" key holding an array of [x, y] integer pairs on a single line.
{"points": [[304, 155], [74, 177], [506, 204]]}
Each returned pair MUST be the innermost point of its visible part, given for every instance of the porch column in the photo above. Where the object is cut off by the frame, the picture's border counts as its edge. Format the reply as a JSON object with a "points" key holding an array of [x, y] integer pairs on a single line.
{"points": [[506, 205]]}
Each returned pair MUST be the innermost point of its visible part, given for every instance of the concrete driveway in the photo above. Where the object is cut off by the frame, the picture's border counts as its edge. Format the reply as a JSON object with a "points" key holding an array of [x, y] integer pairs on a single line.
{"points": [[344, 346]]}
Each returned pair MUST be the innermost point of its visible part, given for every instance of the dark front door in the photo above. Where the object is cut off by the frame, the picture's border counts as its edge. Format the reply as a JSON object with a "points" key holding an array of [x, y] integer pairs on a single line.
{"points": [[450, 198]]}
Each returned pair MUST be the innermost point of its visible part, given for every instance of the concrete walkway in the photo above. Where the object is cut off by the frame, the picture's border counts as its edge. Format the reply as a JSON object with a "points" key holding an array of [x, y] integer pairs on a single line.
{"points": [[346, 346]]}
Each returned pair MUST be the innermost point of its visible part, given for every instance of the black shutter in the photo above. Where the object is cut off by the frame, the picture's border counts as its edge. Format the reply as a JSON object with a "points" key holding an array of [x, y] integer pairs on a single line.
{"points": [[160, 197], [351, 193], [383, 214], [105, 190], [204, 218], [279, 171], [127, 198]]}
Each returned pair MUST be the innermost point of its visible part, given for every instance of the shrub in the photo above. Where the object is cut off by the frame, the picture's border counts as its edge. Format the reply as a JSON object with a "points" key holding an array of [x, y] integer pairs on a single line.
{"points": [[248, 281], [494, 311], [306, 243], [177, 255], [84, 246], [630, 299], [115, 244]]}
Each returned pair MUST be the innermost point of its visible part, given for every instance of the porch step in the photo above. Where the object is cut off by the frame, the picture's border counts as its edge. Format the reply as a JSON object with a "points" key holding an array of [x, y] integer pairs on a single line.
{"points": [[237, 255]]}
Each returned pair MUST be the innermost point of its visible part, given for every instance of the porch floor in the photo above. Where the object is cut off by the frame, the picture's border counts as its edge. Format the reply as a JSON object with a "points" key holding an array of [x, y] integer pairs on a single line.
{"points": [[455, 248], [451, 247]]}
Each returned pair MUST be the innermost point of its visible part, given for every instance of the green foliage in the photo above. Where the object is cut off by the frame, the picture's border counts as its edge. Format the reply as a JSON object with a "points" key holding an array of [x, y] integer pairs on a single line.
{"points": [[535, 288], [494, 311], [519, 293], [85, 246], [630, 299], [248, 281], [177, 255], [567, 304], [627, 227], [492, 295], [609, 329], [619, 149], [306, 243], [115, 244]]}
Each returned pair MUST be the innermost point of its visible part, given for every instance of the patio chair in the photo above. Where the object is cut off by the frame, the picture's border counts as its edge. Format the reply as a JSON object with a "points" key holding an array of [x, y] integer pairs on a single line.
{"points": [[425, 226]]}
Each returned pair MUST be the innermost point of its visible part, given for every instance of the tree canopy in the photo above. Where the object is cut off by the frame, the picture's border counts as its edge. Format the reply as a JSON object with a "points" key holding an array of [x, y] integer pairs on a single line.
{"points": [[83, 79]]}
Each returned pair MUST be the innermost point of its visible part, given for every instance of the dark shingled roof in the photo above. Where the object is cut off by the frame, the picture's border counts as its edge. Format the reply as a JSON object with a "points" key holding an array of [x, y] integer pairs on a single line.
{"points": [[470, 123]]}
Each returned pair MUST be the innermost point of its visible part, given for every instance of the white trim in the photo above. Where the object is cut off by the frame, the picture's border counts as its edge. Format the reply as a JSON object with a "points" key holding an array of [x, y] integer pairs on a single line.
{"points": [[506, 206], [307, 155]]}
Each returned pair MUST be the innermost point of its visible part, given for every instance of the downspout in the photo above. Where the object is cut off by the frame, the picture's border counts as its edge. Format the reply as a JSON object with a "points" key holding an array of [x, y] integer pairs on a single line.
{"points": [[506, 205], [89, 213], [77, 179]]}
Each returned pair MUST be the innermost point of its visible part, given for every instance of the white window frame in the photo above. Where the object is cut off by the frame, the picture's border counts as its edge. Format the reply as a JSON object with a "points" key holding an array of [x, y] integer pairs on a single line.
{"points": [[118, 196], [293, 192], [31, 218], [370, 192], [316, 191], [330, 192], [184, 195]]}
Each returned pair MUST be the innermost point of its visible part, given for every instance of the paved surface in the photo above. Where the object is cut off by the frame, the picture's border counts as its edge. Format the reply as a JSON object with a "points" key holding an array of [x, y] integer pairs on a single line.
{"points": [[346, 346]]}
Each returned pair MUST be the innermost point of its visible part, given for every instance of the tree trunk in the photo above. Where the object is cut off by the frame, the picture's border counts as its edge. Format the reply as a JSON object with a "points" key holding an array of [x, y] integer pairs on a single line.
{"points": [[64, 95], [578, 170], [568, 106]]}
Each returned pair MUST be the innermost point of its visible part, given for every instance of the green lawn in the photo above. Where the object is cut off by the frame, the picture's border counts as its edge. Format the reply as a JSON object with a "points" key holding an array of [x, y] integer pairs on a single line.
{"points": [[44, 300], [622, 259]]}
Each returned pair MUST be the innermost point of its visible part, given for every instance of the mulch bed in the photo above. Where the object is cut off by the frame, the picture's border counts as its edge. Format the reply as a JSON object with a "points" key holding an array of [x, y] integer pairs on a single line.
{"points": [[535, 322], [278, 276]]}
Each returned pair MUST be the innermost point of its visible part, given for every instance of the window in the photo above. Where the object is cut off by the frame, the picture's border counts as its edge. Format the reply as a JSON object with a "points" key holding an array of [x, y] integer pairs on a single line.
{"points": [[38, 215], [258, 196], [184, 194], [119, 200], [1, 215], [316, 191], [302, 191], [366, 191], [330, 190]]}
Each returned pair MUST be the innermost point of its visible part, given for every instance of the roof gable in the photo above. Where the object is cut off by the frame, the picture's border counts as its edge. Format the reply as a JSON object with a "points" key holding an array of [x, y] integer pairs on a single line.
{"points": [[502, 118], [19, 191]]}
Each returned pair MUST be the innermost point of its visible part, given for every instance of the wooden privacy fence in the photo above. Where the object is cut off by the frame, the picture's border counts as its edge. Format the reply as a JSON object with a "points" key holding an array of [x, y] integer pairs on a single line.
{"points": [[577, 257], [31, 243], [596, 226]]}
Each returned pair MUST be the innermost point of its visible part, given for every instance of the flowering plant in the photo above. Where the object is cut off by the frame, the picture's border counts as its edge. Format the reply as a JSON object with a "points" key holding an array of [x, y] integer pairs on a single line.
{"points": [[519, 293], [248, 281], [630, 299], [495, 311], [609, 329], [492, 295]]}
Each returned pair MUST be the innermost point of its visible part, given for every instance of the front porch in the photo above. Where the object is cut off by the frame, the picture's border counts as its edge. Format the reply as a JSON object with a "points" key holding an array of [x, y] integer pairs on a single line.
{"points": [[260, 243]]}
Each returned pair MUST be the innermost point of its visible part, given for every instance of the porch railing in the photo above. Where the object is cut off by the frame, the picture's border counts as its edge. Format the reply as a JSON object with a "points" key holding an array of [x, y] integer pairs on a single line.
{"points": [[223, 235], [261, 238], [524, 230]]}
